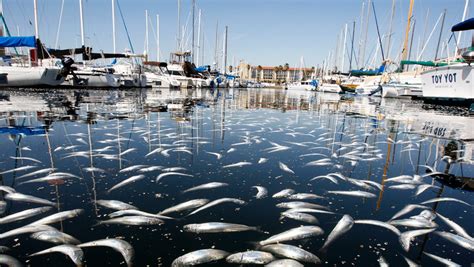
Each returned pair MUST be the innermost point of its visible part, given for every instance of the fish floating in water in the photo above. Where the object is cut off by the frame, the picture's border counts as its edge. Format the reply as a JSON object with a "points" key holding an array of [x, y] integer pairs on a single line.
{"points": [[250, 257], [343, 226], [121, 246], [218, 227], [74, 253], [199, 257], [301, 232]]}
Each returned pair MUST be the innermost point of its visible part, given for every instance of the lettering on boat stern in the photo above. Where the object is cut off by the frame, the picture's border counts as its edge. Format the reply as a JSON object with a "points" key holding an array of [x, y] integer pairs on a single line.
{"points": [[443, 78]]}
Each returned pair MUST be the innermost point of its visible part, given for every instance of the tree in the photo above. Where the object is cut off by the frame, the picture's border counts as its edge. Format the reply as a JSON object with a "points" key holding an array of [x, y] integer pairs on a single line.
{"points": [[231, 68], [286, 67]]}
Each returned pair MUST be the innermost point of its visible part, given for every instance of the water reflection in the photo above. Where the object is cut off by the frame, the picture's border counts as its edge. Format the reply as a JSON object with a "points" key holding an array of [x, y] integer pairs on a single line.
{"points": [[94, 134]]}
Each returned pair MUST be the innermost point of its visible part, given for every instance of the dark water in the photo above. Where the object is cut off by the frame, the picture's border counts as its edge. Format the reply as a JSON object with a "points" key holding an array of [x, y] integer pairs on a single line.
{"points": [[247, 120]]}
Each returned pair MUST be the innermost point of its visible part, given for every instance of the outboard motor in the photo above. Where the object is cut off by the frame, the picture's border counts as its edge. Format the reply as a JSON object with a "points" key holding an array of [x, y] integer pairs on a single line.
{"points": [[67, 66], [468, 57]]}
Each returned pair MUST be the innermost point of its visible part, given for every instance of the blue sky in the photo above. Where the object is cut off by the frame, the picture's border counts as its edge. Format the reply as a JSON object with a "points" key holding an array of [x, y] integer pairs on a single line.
{"points": [[261, 32]]}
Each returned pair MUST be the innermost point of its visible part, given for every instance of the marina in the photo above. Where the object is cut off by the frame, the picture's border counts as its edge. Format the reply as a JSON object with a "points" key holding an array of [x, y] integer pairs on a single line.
{"points": [[200, 145]]}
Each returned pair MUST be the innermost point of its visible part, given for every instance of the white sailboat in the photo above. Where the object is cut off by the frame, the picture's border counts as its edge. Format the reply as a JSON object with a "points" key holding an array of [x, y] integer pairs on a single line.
{"points": [[309, 84]]}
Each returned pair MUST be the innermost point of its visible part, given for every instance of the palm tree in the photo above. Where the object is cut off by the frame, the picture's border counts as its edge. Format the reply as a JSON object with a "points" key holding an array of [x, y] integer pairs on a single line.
{"points": [[231, 68], [286, 67]]}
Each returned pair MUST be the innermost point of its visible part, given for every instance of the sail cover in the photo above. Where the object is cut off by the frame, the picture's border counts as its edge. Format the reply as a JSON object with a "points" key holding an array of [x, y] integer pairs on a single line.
{"points": [[464, 26], [18, 41]]}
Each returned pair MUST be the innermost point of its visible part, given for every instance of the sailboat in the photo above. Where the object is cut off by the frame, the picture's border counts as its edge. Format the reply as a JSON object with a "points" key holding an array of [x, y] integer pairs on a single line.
{"points": [[309, 84]]}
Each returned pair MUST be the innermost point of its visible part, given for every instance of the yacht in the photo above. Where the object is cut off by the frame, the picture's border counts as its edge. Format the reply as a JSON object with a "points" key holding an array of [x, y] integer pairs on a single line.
{"points": [[310, 85], [157, 75]]}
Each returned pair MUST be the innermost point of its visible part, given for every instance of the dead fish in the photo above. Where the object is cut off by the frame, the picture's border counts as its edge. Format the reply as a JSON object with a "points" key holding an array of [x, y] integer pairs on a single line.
{"points": [[42, 171], [23, 168], [218, 227], [284, 193], [9, 261], [199, 257], [238, 164], [7, 189], [51, 177], [306, 210], [19, 197], [422, 188], [262, 160], [138, 212], [382, 262], [444, 199], [302, 217], [444, 261], [456, 227], [24, 214], [150, 169], [74, 253], [171, 173], [174, 169], [115, 205], [379, 223], [297, 233], [353, 193], [343, 226], [291, 252], [154, 151], [126, 182], [407, 209], [284, 263], [218, 155], [231, 150], [188, 205], [300, 204], [403, 186], [262, 192], [60, 216], [121, 246], [458, 240], [54, 236], [132, 168], [127, 151], [217, 202], [205, 186], [301, 196], [133, 220], [250, 257], [285, 168], [26, 230], [328, 177], [416, 223], [406, 237]]}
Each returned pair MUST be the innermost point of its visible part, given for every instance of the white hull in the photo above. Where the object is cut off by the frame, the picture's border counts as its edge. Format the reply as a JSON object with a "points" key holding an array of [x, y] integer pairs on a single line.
{"points": [[449, 82], [161, 81], [401, 91], [330, 88], [30, 76], [95, 79], [366, 90]]}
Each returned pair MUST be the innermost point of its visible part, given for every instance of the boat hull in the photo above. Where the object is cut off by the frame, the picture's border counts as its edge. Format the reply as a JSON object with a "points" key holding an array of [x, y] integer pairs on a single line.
{"points": [[453, 82], [30, 76]]}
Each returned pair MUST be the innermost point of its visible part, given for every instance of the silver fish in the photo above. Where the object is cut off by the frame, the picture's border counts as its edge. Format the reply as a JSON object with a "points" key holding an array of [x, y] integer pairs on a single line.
{"points": [[138, 212], [132, 168], [456, 227], [218, 155], [291, 252], [121, 246], [284, 263], [382, 262], [416, 223], [27, 198], [217, 202], [328, 177], [60, 216], [301, 196], [250, 257], [9, 261], [133, 220], [7, 189], [262, 160], [218, 227], [126, 182], [238, 164], [154, 151], [26, 230], [354, 193], [150, 169], [458, 240], [301, 232], [210, 185], [199, 257], [174, 169], [42, 171], [379, 223], [54, 236], [76, 254], [300, 204], [444, 199], [23, 168], [24, 214], [306, 210], [446, 262], [302, 217], [343, 226], [171, 173], [285, 168], [115, 205], [407, 209], [406, 237], [284, 193], [94, 169], [262, 192], [188, 205]]}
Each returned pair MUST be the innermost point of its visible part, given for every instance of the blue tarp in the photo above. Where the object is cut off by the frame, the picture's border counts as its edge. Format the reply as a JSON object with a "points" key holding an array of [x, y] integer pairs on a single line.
{"points": [[18, 41], [368, 72], [464, 26], [202, 69]]}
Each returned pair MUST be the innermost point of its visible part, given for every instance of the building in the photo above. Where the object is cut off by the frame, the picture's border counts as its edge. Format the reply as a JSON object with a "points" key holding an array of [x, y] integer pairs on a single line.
{"points": [[276, 74]]}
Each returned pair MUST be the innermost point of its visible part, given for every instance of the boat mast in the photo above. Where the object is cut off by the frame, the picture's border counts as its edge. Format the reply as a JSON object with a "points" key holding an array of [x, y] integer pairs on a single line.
{"points": [[440, 35], [344, 48], [460, 33], [158, 38], [198, 38], [352, 46], [113, 27], [216, 59], [81, 15], [407, 32], [359, 63], [192, 35], [389, 42], [146, 36], [225, 50], [178, 34], [367, 18], [35, 4]]}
